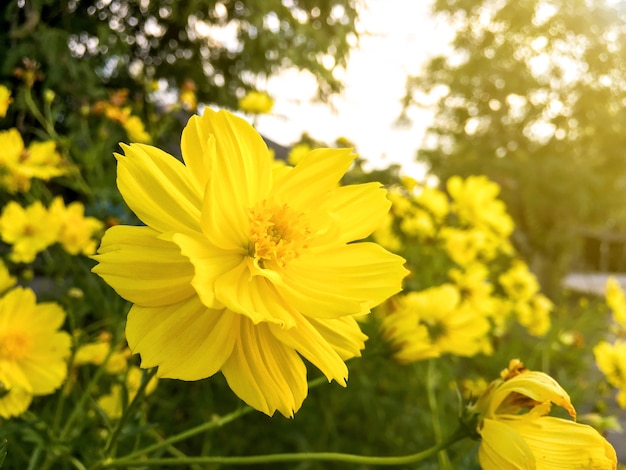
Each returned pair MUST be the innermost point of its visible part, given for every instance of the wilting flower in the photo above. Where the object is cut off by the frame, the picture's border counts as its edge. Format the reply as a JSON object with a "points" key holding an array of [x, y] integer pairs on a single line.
{"points": [[243, 270], [256, 102], [516, 433], [33, 352]]}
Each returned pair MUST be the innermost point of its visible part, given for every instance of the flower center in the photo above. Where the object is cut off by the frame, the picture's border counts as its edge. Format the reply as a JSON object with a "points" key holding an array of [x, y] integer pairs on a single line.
{"points": [[278, 234], [15, 345]]}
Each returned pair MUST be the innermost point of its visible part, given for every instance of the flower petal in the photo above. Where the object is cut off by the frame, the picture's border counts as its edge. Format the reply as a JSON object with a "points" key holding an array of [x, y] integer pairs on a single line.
{"points": [[264, 372], [308, 341], [345, 280], [158, 188], [343, 334], [254, 296], [358, 210], [186, 341], [535, 385], [240, 174], [209, 263], [318, 172], [560, 443], [503, 448], [142, 268]]}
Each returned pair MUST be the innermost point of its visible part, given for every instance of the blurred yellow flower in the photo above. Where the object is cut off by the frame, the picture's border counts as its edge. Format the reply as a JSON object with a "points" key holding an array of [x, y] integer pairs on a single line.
{"points": [[516, 433], [76, 233], [441, 323], [434, 201], [19, 164], [518, 282], [242, 269], [534, 315], [33, 352], [5, 100], [418, 223], [6, 280], [475, 201], [297, 153], [30, 230], [256, 102], [616, 300], [611, 360], [97, 351], [113, 402], [136, 131]]}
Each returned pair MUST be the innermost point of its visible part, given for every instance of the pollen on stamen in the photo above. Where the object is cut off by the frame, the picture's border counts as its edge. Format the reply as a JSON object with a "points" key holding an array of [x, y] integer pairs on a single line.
{"points": [[278, 234]]}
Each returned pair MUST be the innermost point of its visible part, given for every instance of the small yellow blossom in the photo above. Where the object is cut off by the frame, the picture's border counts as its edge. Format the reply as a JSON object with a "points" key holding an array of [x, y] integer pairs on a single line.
{"points": [[616, 300], [475, 201], [611, 360], [113, 402], [33, 352], [133, 125], [434, 201], [6, 280], [297, 153], [518, 282], [5, 100], [30, 230], [256, 102], [534, 314], [76, 233], [516, 433]]}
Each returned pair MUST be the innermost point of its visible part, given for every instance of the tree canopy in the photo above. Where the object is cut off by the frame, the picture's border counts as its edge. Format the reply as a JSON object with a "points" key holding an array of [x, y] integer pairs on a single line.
{"points": [[532, 94]]}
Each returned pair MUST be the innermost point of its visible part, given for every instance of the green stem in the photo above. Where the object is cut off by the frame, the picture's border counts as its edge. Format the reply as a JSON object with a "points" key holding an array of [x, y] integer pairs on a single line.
{"points": [[432, 379], [147, 376], [28, 97], [296, 457]]}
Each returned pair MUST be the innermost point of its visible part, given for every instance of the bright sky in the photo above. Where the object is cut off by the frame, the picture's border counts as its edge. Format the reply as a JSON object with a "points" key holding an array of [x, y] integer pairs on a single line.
{"points": [[399, 36]]}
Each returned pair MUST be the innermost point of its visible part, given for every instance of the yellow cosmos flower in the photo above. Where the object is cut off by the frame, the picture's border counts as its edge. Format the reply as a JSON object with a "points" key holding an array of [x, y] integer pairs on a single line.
{"points": [[33, 352], [518, 282], [243, 270], [435, 201], [77, 232], [30, 230], [133, 125], [256, 102], [475, 201], [20, 164], [516, 433], [297, 152], [611, 360], [5, 100], [6, 280], [616, 300]]}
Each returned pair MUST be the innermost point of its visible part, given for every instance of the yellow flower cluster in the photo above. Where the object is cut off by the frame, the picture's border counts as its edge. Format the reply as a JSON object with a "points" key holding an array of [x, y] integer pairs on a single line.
{"points": [[33, 352], [34, 228], [127, 377], [467, 283], [516, 433], [611, 356], [20, 164]]}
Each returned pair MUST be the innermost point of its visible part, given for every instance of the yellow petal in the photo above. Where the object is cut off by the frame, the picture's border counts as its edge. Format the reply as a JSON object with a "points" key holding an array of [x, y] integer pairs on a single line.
{"points": [[345, 280], [142, 268], [343, 334], [158, 189], [254, 296], [307, 341], [562, 444], [501, 448], [317, 173], [15, 402], [186, 341], [265, 373], [357, 210], [535, 385], [209, 263]]}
